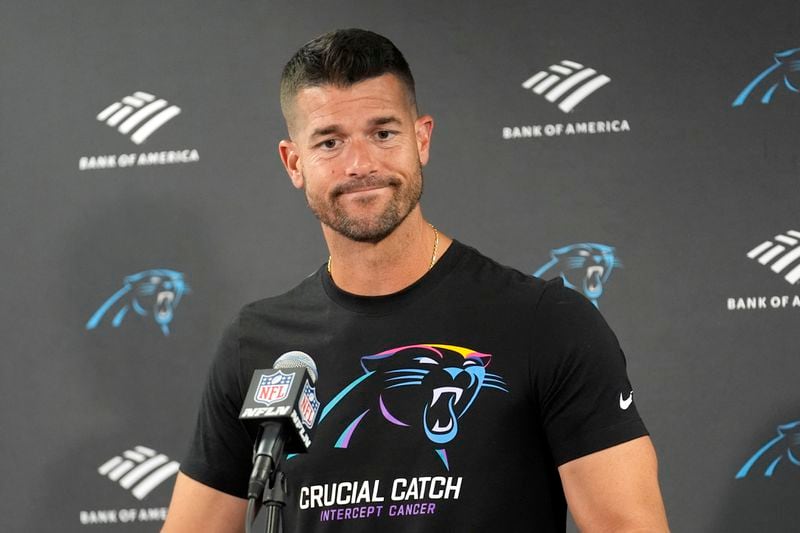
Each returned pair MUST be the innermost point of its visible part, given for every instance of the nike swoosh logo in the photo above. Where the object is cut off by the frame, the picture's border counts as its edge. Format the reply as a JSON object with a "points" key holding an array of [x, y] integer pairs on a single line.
{"points": [[624, 404]]}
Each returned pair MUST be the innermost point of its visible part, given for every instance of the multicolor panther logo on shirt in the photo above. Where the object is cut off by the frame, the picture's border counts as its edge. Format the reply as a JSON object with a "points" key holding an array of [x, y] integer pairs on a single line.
{"points": [[451, 377]]}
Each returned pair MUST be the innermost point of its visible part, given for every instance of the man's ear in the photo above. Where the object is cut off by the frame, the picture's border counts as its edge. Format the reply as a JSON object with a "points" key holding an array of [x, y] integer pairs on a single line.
{"points": [[291, 162], [423, 127]]}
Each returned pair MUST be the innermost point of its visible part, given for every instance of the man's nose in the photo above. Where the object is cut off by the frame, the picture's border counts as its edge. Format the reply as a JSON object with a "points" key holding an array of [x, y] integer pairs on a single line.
{"points": [[360, 159]]}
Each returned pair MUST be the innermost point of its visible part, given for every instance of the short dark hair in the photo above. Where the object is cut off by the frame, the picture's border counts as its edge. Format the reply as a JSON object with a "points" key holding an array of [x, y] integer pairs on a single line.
{"points": [[343, 58]]}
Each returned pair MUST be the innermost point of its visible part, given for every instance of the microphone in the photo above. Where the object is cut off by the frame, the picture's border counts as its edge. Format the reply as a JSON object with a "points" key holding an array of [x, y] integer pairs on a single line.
{"points": [[284, 399]]}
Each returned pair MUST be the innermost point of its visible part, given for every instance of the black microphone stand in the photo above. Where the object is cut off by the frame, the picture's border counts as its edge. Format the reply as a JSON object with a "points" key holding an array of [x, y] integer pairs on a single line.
{"points": [[267, 482], [274, 500]]}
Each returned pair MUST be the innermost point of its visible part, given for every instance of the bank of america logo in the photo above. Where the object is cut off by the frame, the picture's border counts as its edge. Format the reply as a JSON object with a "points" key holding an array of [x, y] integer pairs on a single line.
{"points": [[782, 254], [139, 470], [567, 81], [139, 115]]}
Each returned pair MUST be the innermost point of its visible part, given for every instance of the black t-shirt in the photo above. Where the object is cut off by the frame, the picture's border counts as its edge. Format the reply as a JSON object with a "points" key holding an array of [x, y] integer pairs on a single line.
{"points": [[447, 406]]}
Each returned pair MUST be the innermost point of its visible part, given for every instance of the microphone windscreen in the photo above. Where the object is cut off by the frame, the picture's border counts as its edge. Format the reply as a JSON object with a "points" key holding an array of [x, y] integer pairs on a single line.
{"points": [[297, 359]]}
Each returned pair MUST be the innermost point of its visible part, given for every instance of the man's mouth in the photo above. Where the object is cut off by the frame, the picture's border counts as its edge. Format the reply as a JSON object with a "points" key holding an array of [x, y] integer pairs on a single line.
{"points": [[364, 185], [363, 190]]}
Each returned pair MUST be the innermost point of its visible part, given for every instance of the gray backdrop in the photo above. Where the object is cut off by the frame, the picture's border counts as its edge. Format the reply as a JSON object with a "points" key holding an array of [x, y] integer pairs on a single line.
{"points": [[93, 418]]}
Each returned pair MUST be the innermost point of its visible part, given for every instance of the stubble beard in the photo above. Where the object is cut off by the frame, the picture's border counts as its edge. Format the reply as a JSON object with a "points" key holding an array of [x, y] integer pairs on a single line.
{"points": [[370, 229]]}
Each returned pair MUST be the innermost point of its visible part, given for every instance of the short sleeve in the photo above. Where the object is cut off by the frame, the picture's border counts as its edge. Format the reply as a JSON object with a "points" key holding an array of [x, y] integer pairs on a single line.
{"points": [[221, 449], [579, 377]]}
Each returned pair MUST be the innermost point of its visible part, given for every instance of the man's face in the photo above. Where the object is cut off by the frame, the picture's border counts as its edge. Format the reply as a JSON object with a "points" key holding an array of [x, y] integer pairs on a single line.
{"points": [[358, 153]]}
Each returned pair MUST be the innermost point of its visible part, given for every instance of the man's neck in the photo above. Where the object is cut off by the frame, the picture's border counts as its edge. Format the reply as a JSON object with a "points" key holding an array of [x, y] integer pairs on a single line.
{"points": [[388, 266]]}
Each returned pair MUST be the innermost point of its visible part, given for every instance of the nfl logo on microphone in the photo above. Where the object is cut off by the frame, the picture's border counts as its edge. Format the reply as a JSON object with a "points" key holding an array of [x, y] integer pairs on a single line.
{"points": [[309, 405], [273, 388]]}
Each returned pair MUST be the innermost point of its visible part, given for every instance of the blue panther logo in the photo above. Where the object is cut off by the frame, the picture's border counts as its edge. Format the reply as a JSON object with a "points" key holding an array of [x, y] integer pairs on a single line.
{"points": [[584, 267], [155, 293], [423, 388], [786, 445], [784, 71]]}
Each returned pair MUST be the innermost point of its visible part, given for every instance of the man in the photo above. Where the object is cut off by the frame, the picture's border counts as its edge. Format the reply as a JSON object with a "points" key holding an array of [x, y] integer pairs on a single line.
{"points": [[457, 394]]}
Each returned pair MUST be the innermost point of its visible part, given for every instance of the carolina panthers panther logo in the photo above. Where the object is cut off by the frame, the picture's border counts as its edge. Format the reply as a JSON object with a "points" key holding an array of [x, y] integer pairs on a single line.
{"points": [[425, 388], [584, 267], [784, 448], [784, 72], [153, 293]]}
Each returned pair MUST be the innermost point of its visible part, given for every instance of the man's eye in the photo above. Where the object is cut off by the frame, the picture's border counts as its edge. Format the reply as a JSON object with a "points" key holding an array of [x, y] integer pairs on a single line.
{"points": [[384, 135], [329, 144]]}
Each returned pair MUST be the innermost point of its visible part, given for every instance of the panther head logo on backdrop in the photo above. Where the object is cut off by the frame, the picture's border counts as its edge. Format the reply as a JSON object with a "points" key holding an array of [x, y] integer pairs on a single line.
{"points": [[784, 72], [783, 448], [584, 267], [155, 293]]}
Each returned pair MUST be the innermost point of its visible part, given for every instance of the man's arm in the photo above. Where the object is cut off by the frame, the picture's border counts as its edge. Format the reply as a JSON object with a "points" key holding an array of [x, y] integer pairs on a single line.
{"points": [[616, 489], [196, 507]]}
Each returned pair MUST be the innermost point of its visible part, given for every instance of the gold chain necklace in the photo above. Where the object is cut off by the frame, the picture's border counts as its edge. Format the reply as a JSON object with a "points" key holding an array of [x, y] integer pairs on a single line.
{"points": [[433, 255]]}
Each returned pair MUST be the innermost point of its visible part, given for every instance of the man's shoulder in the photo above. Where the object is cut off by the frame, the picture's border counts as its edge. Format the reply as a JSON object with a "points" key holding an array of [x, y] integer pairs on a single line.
{"points": [[492, 279], [496, 276], [303, 297]]}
